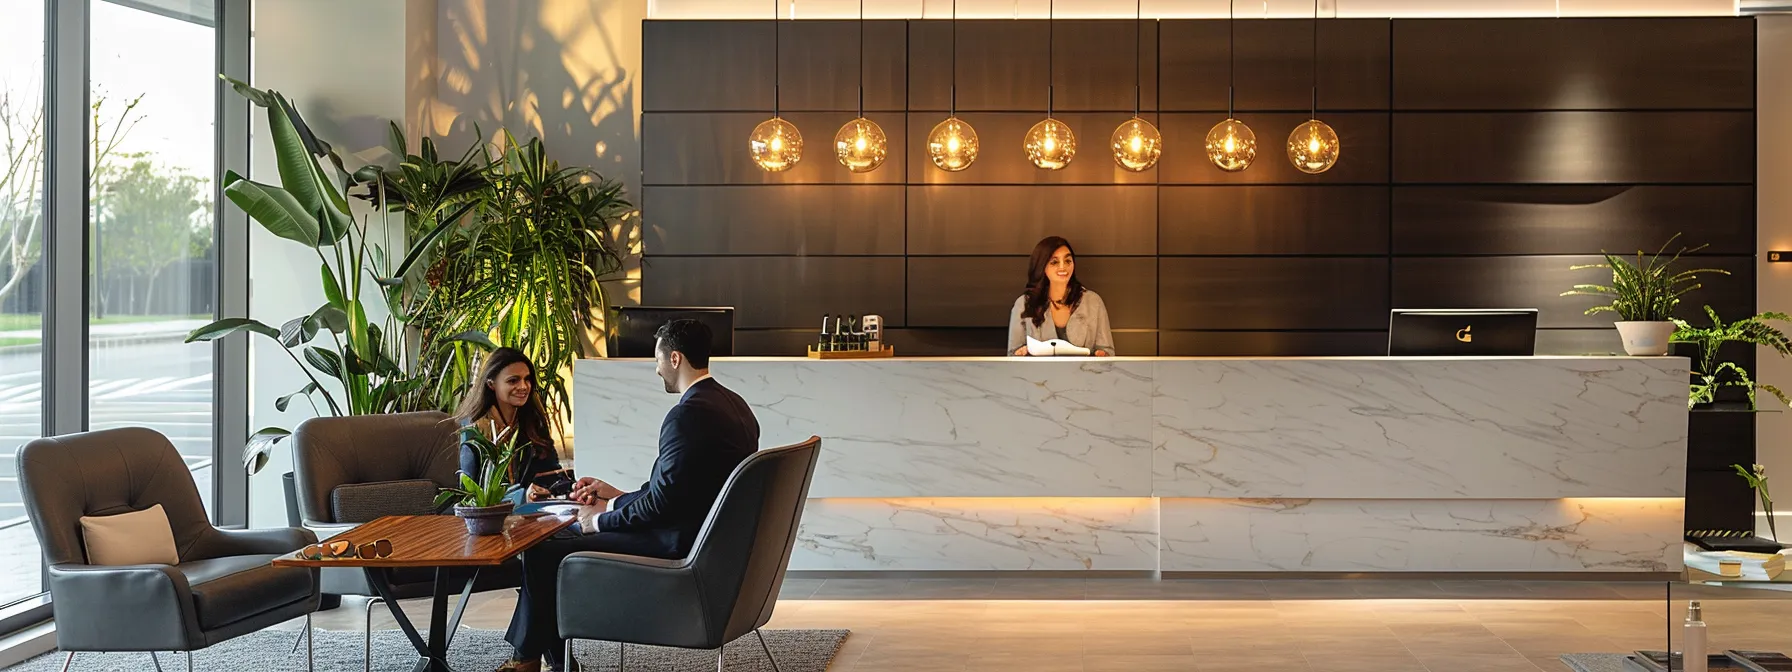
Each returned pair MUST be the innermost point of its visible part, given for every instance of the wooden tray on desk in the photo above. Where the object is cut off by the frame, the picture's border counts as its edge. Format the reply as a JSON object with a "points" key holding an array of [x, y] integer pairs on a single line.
{"points": [[888, 351]]}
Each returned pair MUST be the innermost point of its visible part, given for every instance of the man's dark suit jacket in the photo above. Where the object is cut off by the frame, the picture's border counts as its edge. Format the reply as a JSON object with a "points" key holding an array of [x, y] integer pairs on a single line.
{"points": [[703, 438]]}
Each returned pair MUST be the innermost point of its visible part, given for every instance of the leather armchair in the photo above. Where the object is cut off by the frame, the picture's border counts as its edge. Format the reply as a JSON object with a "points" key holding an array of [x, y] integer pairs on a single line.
{"points": [[332, 452], [223, 587], [725, 588]]}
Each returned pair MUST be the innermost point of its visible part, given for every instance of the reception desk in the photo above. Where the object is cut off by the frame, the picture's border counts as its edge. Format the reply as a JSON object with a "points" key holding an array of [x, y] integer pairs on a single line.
{"points": [[1192, 465]]}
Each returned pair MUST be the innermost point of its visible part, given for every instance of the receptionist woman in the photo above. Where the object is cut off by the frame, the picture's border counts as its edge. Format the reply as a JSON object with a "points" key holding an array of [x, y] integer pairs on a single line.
{"points": [[1056, 305]]}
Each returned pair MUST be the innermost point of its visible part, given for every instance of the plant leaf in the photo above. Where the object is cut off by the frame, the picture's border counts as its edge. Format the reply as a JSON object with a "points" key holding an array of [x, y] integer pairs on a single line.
{"points": [[231, 325], [478, 338], [331, 317], [281, 403], [261, 443], [325, 361], [273, 208]]}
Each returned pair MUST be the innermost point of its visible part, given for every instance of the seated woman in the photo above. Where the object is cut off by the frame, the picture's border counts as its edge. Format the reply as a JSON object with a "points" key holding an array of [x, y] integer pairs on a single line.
{"points": [[501, 403], [1056, 305]]}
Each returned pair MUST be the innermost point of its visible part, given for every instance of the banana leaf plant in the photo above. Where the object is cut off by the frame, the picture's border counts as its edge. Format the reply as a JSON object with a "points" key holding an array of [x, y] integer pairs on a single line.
{"points": [[1710, 375], [353, 364]]}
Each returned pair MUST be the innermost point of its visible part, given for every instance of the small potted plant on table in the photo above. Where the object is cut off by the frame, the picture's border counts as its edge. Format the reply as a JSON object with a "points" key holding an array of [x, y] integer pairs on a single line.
{"points": [[1644, 294], [480, 502]]}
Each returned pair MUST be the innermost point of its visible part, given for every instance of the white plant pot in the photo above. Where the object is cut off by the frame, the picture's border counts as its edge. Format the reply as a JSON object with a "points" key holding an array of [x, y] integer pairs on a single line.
{"points": [[1646, 339]]}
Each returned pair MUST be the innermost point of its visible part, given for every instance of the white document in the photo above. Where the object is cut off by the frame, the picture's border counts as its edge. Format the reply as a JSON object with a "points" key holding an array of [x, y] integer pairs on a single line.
{"points": [[1054, 348]]}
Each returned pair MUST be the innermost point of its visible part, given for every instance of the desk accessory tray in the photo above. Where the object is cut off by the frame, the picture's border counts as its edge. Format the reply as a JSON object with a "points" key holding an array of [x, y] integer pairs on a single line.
{"points": [[888, 351]]}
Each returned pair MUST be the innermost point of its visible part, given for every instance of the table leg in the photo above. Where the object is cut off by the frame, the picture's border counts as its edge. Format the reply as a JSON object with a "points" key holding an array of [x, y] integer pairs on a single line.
{"points": [[433, 651], [438, 624], [466, 594]]}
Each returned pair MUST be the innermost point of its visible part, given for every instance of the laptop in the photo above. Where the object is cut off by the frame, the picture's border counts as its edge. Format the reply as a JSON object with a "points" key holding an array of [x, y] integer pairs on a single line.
{"points": [[1462, 332]]}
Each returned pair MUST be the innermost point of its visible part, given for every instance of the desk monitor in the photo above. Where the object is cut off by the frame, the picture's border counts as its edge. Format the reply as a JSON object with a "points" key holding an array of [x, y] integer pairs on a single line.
{"points": [[1447, 332], [631, 328]]}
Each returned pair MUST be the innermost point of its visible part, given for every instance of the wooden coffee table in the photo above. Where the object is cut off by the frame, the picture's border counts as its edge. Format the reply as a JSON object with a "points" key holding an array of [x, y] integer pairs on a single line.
{"points": [[442, 543]]}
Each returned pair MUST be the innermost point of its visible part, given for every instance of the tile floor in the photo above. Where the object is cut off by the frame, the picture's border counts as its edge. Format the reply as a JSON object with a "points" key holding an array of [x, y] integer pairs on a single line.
{"points": [[1140, 625]]}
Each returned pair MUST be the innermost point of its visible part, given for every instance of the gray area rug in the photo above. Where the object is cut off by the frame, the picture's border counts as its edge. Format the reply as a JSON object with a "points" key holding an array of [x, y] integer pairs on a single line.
{"points": [[472, 651], [1596, 662]]}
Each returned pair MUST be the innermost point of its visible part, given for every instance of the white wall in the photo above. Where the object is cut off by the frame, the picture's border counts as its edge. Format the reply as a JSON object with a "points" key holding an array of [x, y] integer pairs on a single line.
{"points": [[1773, 230], [342, 63]]}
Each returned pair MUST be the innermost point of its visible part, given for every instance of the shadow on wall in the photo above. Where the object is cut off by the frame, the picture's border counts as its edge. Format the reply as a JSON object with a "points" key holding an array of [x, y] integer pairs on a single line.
{"points": [[566, 71]]}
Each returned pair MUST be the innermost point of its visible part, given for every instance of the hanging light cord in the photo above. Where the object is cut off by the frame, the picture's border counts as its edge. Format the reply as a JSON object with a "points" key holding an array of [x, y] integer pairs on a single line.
{"points": [[1050, 46], [1315, 58], [862, 55], [954, 112], [777, 77], [1231, 56], [1138, 47]]}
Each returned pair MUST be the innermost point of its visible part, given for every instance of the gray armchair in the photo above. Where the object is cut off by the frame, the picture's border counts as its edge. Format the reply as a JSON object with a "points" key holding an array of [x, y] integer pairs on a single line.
{"points": [[727, 586], [351, 470], [223, 587]]}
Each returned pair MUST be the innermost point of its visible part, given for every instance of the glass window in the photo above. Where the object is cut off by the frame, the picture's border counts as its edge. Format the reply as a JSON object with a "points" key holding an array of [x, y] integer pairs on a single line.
{"points": [[152, 74], [21, 279]]}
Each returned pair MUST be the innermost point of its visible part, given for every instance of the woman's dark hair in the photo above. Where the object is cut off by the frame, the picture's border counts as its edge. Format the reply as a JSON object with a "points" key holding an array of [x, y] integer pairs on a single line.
{"points": [[531, 420], [1039, 289]]}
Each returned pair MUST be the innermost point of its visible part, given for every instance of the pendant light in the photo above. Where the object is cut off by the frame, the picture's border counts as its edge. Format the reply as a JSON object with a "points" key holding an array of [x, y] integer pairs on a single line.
{"points": [[1050, 144], [861, 145], [1136, 143], [952, 144], [775, 143], [1231, 145], [1313, 146]]}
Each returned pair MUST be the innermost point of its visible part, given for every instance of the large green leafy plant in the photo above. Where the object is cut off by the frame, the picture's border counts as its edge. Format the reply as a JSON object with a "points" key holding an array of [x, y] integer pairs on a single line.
{"points": [[1711, 375], [362, 357], [529, 274], [1647, 290]]}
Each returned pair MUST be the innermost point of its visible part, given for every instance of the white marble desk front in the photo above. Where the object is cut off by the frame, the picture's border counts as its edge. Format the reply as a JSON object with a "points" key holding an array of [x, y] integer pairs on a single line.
{"points": [[1204, 464]]}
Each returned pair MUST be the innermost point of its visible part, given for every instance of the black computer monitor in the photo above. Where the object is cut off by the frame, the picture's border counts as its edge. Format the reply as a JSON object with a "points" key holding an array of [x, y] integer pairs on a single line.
{"points": [[1457, 332], [631, 328]]}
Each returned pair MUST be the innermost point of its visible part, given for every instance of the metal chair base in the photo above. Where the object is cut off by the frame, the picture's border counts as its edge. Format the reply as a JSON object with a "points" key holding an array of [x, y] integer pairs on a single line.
{"points": [[571, 664], [310, 653]]}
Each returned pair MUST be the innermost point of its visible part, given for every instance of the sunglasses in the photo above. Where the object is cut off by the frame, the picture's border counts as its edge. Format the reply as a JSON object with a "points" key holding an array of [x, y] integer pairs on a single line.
{"points": [[339, 550]]}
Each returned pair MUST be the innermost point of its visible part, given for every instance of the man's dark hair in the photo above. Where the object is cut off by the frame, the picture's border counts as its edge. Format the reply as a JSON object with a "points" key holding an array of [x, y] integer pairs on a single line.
{"points": [[687, 337]]}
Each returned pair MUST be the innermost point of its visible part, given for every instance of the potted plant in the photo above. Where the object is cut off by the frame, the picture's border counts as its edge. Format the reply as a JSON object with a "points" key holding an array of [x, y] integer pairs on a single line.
{"points": [[1644, 294], [1710, 375], [481, 502]]}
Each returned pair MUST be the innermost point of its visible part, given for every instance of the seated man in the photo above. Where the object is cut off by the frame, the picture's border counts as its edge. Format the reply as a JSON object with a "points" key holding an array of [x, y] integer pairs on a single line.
{"points": [[703, 438]]}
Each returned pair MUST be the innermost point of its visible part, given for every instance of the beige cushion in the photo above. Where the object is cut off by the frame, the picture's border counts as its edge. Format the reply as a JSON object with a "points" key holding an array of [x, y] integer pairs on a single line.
{"points": [[135, 538]]}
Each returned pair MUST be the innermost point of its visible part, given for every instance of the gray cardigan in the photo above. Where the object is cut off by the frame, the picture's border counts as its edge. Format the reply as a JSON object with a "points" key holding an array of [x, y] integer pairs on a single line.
{"points": [[1087, 327]]}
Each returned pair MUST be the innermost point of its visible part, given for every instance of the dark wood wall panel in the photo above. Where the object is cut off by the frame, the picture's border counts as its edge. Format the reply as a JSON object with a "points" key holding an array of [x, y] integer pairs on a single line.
{"points": [[1575, 64], [1002, 65], [1538, 281], [1571, 219], [798, 219], [820, 66], [1275, 64], [680, 148], [1272, 343], [1098, 220], [1363, 160], [1273, 220], [1272, 293], [980, 291], [706, 65], [1002, 157], [1574, 147], [778, 292]]}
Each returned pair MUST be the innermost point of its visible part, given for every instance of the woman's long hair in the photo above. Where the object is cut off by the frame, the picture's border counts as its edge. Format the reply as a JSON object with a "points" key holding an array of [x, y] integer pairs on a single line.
{"points": [[531, 420], [1039, 289]]}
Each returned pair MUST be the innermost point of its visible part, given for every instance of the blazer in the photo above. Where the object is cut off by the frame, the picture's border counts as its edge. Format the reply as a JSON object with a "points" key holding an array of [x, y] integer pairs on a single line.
{"points": [[702, 440], [1087, 328]]}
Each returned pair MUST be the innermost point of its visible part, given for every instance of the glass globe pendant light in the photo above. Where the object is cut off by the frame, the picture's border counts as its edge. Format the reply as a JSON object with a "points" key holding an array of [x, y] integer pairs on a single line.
{"points": [[775, 144], [952, 144], [1050, 144], [861, 145], [1230, 144], [1136, 143], [1313, 146]]}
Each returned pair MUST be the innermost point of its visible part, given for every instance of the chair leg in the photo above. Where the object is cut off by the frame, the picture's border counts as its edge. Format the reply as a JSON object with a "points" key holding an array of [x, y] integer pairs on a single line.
{"points": [[719, 659], [158, 661], [310, 648], [69, 661], [621, 659], [768, 651], [367, 635], [567, 664], [296, 641], [189, 661]]}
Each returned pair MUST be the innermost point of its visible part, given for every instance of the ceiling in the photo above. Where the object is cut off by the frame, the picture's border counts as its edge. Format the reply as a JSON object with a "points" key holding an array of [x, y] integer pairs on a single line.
{"points": [[1084, 9]]}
